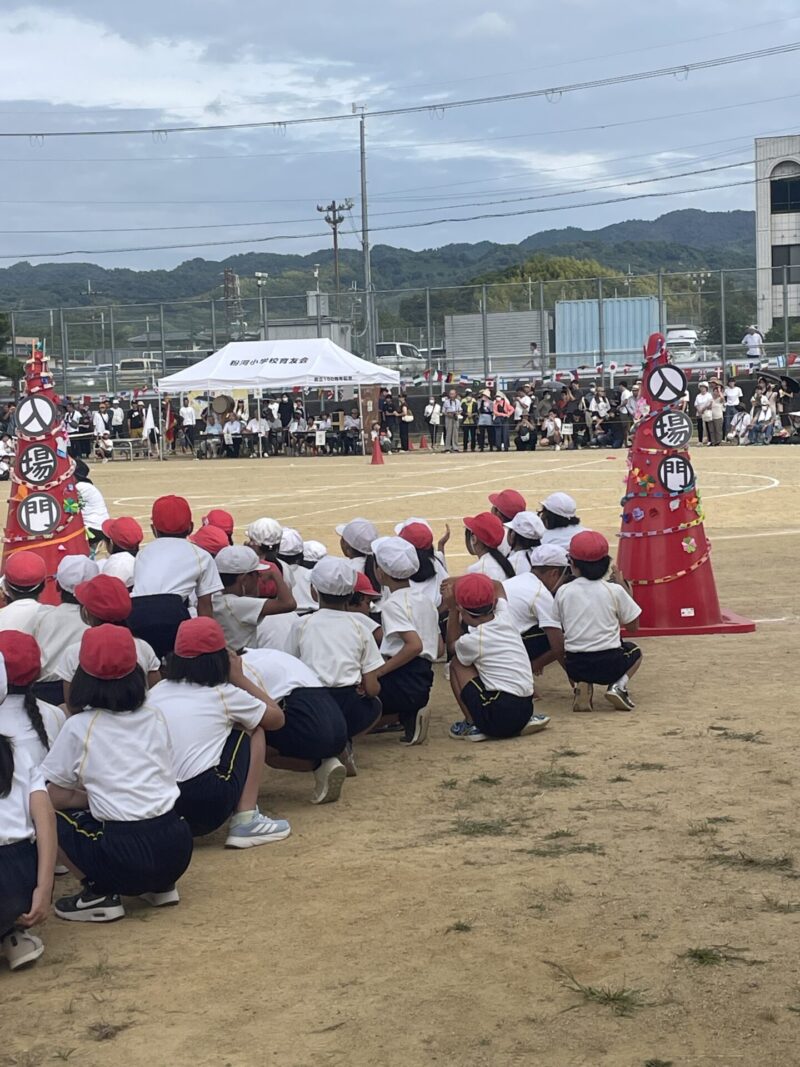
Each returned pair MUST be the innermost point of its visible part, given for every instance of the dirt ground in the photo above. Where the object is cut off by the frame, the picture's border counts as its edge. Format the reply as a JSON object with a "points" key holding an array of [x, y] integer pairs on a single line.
{"points": [[521, 902]]}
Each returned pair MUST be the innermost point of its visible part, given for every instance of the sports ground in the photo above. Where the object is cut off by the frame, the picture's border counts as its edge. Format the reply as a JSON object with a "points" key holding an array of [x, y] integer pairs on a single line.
{"points": [[618, 890]]}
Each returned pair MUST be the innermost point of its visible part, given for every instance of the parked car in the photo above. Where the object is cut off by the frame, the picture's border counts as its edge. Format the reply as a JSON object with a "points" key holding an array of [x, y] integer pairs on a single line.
{"points": [[683, 344]]}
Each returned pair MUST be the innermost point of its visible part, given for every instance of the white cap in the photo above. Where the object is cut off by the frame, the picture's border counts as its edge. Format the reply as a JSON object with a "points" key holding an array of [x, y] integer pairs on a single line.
{"points": [[121, 566], [407, 522], [398, 558], [359, 534], [527, 524], [314, 551], [549, 556], [72, 570], [265, 532], [238, 559], [561, 504], [291, 542], [333, 576]]}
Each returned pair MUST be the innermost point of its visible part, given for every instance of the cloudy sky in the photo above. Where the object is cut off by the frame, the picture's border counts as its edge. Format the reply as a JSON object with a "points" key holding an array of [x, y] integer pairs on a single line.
{"points": [[79, 65]]}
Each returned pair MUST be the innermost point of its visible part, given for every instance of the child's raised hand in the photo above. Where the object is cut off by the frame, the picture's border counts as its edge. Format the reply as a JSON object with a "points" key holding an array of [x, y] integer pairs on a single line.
{"points": [[448, 594], [444, 538]]}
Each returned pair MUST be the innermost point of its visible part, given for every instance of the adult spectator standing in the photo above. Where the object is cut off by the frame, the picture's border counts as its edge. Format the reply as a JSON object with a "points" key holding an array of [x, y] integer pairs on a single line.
{"points": [[433, 417], [733, 397], [485, 429], [469, 421], [753, 341], [136, 419], [502, 413], [391, 419], [285, 414], [405, 420], [544, 406], [118, 420], [522, 405], [702, 410], [714, 426], [101, 420], [11, 420], [188, 417], [451, 409]]}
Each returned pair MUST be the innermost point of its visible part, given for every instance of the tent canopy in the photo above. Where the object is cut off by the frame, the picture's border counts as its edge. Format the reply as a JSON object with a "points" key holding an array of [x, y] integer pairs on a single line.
{"points": [[278, 365]]}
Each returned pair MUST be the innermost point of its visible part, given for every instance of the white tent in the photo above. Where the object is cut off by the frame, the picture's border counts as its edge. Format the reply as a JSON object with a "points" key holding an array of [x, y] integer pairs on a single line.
{"points": [[278, 365]]}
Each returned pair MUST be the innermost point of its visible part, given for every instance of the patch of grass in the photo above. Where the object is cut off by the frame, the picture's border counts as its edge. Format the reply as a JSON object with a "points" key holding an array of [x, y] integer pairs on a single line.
{"points": [[486, 779], [69, 1007], [573, 849], [554, 835], [703, 826], [557, 778], [714, 819], [754, 737], [783, 907], [459, 927], [768, 1015], [538, 908], [645, 766], [63, 1054], [102, 969], [566, 753], [744, 861], [658, 1063], [622, 1001], [713, 955], [24, 1059], [619, 778], [671, 733], [480, 827], [561, 892], [463, 758], [106, 1031], [793, 1007], [448, 783]]}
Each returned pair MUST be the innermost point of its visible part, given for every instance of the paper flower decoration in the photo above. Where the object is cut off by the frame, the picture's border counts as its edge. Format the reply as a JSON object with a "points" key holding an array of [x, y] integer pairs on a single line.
{"points": [[692, 502], [72, 507], [689, 545], [674, 504], [638, 514], [647, 483]]}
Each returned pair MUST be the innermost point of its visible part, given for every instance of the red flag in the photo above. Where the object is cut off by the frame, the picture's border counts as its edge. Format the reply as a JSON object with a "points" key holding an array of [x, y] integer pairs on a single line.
{"points": [[792, 360], [169, 423]]}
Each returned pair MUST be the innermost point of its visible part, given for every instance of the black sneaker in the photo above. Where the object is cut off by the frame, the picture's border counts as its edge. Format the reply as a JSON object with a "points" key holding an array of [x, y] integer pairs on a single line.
{"points": [[417, 734], [619, 698], [90, 906]]}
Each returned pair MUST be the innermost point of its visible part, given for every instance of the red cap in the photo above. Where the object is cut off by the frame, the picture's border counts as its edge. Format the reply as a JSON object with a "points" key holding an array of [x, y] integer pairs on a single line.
{"points": [[475, 592], [487, 528], [22, 656], [508, 502], [172, 515], [108, 652], [25, 569], [105, 597], [588, 546], [125, 532], [195, 637], [222, 519], [418, 535], [365, 586], [212, 538]]}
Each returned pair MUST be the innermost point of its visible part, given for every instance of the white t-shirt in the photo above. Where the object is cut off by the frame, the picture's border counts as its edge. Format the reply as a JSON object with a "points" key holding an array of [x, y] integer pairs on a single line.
{"points": [[99, 424], [432, 587], [277, 632], [488, 566], [175, 565], [56, 629], [519, 560], [561, 535], [299, 578], [20, 615], [753, 341], [496, 651], [337, 646], [122, 759], [68, 664], [591, 614], [117, 415], [702, 406], [405, 610], [733, 394], [239, 617], [16, 823], [120, 565], [530, 603], [15, 724], [93, 506], [199, 719], [188, 416], [551, 426], [259, 426], [278, 673]]}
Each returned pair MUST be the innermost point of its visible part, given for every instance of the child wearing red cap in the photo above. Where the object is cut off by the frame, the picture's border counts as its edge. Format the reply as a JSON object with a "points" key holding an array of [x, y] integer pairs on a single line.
{"points": [[123, 538], [23, 583], [490, 672], [591, 611], [484, 535], [432, 570], [30, 723], [362, 602], [169, 571], [216, 719], [27, 853], [111, 778], [222, 520]]}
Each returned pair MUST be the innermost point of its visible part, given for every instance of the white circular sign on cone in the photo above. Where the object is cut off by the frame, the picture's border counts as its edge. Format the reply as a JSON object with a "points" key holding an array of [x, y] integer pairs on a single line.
{"points": [[666, 384], [38, 464], [39, 514], [36, 415], [672, 429], [676, 474]]}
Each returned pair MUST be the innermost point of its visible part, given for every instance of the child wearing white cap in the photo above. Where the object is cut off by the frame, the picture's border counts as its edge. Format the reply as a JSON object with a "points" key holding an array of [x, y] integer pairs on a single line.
{"points": [[290, 554], [355, 541], [237, 608], [559, 513], [525, 533], [57, 628], [531, 607], [339, 648], [411, 639]]}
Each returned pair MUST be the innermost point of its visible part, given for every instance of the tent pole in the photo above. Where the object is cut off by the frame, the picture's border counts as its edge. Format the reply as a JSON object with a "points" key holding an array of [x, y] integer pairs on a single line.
{"points": [[259, 396], [160, 428], [361, 420]]}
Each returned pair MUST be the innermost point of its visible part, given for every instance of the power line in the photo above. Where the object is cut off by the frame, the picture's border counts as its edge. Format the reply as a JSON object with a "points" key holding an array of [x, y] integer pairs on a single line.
{"points": [[555, 92]]}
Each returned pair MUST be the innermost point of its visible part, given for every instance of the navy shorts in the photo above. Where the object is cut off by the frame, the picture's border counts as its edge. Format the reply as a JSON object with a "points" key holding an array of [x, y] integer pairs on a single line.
{"points": [[604, 667], [315, 727], [359, 712], [209, 799], [155, 619], [19, 871], [495, 713], [536, 643], [407, 690], [129, 858]]}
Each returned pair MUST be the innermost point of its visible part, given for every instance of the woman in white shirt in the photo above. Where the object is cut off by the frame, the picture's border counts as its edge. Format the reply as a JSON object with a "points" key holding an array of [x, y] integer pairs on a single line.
{"points": [[702, 409], [93, 507], [714, 426], [484, 534]]}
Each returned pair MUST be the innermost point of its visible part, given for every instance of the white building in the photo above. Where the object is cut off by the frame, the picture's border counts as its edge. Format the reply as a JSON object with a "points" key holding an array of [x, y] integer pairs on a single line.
{"points": [[777, 227]]}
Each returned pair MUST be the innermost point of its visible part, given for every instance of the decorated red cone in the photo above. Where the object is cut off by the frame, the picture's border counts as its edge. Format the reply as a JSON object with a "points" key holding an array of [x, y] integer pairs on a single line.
{"points": [[377, 453], [43, 510], [663, 550]]}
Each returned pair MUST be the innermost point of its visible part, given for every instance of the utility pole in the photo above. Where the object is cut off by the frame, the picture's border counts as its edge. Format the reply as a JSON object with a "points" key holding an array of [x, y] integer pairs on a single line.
{"points": [[335, 218], [368, 296]]}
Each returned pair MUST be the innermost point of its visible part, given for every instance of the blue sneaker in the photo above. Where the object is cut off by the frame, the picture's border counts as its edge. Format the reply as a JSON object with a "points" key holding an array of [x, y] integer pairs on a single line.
{"points": [[260, 830], [534, 725], [459, 730]]}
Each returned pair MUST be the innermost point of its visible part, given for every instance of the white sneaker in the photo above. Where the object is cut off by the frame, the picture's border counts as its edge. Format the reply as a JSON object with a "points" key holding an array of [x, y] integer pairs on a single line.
{"points": [[556, 448], [349, 761], [329, 778], [21, 948], [534, 725], [260, 830], [166, 899]]}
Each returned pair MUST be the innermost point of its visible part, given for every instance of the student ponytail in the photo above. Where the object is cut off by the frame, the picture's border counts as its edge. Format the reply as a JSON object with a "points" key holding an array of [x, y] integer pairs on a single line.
{"points": [[369, 571], [31, 705], [6, 766], [501, 561], [427, 566]]}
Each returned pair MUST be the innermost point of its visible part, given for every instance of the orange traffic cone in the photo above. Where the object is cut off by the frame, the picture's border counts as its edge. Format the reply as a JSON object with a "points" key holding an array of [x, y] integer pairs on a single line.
{"points": [[423, 443], [410, 445], [377, 453], [663, 550]]}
